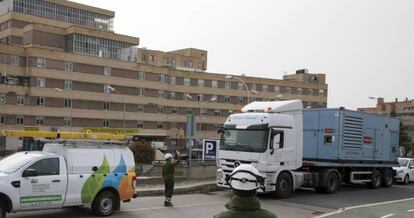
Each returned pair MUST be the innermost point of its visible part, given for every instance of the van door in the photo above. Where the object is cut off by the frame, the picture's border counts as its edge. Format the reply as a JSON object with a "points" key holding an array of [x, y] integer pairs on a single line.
{"points": [[43, 184]]}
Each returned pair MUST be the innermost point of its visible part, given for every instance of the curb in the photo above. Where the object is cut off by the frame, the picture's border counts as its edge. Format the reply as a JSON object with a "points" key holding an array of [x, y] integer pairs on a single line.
{"points": [[190, 189]]}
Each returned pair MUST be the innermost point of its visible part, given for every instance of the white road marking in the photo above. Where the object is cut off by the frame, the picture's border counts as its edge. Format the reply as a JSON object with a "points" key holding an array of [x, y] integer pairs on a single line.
{"points": [[409, 211], [178, 206], [364, 205], [388, 215]]}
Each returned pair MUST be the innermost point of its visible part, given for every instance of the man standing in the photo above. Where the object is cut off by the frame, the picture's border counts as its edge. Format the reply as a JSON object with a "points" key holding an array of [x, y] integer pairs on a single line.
{"points": [[245, 180], [168, 173]]}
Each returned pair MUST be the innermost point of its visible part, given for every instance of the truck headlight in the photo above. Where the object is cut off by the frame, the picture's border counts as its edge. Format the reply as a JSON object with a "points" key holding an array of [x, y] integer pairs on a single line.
{"points": [[220, 175]]}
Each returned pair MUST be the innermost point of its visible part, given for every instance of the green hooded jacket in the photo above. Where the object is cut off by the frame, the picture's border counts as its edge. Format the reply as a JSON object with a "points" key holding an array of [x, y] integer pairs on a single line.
{"points": [[168, 170], [245, 207]]}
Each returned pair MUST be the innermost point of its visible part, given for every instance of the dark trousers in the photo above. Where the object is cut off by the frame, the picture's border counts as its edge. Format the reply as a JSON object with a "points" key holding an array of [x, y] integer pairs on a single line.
{"points": [[169, 189]]}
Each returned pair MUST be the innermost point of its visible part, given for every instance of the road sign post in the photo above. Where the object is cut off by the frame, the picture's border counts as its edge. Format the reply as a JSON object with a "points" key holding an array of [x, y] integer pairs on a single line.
{"points": [[190, 133]]}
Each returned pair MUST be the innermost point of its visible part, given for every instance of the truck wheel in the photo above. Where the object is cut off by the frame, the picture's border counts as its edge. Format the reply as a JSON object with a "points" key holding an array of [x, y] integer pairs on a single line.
{"points": [[406, 180], [2, 210], [104, 204], [387, 178], [332, 183], [375, 179], [284, 186]]}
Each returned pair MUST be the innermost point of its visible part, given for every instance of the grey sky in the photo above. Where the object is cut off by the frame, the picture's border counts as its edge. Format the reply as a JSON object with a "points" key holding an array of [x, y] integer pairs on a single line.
{"points": [[365, 47]]}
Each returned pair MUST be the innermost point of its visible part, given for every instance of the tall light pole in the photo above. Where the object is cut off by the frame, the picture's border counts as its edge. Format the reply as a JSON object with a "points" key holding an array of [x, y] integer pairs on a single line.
{"points": [[229, 77], [70, 108], [112, 89]]}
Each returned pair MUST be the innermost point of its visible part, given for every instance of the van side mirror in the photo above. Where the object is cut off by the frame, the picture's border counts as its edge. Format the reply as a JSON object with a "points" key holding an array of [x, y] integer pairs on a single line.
{"points": [[29, 173]]}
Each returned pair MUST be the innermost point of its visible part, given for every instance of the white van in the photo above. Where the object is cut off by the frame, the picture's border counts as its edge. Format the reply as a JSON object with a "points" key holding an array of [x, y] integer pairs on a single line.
{"points": [[96, 174]]}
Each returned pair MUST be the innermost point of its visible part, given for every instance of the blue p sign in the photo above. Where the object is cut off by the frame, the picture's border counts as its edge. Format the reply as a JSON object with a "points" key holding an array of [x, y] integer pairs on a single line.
{"points": [[210, 149]]}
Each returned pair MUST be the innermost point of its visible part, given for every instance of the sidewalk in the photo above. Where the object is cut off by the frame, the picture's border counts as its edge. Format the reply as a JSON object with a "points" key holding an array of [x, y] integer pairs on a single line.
{"points": [[183, 187]]}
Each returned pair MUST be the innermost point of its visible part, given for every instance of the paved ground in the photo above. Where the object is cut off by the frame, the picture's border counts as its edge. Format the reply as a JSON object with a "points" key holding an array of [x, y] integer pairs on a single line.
{"points": [[304, 203]]}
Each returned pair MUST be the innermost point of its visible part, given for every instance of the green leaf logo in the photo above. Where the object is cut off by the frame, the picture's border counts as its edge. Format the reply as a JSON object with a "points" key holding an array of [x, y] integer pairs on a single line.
{"points": [[94, 183]]}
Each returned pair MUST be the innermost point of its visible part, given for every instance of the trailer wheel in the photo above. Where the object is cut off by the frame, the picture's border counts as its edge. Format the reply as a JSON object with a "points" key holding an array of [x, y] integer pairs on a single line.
{"points": [[375, 179], [387, 178], [332, 183], [2, 209], [284, 185], [104, 204]]}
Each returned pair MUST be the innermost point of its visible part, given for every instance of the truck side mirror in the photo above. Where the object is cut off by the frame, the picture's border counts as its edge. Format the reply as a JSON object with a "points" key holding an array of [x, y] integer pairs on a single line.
{"points": [[276, 141], [29, 173]]}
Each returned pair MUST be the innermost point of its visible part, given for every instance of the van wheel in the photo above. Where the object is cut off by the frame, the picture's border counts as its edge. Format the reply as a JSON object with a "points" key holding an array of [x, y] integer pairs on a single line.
{"points": [[406, 180], [104, 204], [375, 179], [2, 209], [387, 178], [332, 183], [284, 186]]}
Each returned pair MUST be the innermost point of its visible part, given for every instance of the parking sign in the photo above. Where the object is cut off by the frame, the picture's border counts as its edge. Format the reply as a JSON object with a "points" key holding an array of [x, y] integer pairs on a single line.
{"points": [[210, 148]]}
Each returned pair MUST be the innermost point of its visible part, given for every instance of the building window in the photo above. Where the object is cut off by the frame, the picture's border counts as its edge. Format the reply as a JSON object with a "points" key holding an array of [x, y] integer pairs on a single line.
{"points": [[321, 92], [2, 98], [189, 111], [68, 66], [141, 75], [107, 71], [172, 95], [105, 123], [160, 109], [185, 63], [214, 84], [107, 89], [153, 59], [277, 89], [68, 103], [20, 100], [187, 81], [265, 88], [40, 101], [41, 62], [240, 86], [2, 119], [300, 91], [162, 78], [107, 105], [240, 100], [174, 110], [288, 90], [227, 85], [19, 120], [160, 126], [253, 87], [200, 83], [251, 99], [217, 113], [161, 93], [173, 142], [140, 108], [140, 124], [214, 97], [67, 84], [226, 99], [40, 120], [40, 82], [186, 96], [173, 80], [310, 92], [11, 80], [200, 97], [15, 60], [67, 121], [141, 91], [203, 112]]}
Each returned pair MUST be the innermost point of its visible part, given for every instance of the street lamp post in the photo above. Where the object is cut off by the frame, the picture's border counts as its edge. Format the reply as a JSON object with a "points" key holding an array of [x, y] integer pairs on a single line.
{"points": [[112, 89], [70, 109], [201, 108], [229, 77]]}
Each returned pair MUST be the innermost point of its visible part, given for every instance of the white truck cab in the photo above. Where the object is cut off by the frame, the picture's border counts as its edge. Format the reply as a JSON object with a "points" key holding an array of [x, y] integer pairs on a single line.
{"points": [[96, 174]]}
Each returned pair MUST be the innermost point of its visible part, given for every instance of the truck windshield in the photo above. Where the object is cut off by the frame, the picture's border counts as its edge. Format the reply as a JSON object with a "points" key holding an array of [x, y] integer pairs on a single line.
{"points": [[14, 162], [244, 140]]}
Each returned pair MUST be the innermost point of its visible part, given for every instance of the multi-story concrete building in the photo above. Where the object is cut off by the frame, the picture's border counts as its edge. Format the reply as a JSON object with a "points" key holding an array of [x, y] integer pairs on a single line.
{"points": [[62, 67], [403, 109]]}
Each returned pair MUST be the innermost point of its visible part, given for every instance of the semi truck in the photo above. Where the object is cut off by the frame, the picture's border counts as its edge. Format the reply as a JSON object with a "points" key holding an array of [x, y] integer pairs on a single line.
{"points": [[312, 148]]}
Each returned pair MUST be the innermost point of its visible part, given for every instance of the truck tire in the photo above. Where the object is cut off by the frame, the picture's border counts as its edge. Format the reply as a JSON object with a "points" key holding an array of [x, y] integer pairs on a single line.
{"points": [[376, 179], [284, 185], [104, 204], [387, 178], [2, 209], [332, 183]]}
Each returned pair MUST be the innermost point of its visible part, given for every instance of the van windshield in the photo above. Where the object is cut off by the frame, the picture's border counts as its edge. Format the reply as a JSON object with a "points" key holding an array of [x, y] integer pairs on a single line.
{"points": [[244, 140], [14, 162], [402, 162]]}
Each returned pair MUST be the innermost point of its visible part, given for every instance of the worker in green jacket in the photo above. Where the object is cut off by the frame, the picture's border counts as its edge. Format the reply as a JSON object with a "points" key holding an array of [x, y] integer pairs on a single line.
{"points": [[245, 180], [168, 173]]}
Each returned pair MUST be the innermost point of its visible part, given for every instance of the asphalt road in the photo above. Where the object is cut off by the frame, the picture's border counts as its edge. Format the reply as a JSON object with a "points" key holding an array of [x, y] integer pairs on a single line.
{"points": [[304, 203]]}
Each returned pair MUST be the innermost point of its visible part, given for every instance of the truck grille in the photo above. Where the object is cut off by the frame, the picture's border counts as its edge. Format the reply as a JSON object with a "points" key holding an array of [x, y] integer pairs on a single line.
{"points": [[228, 164], [352, 132]]}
